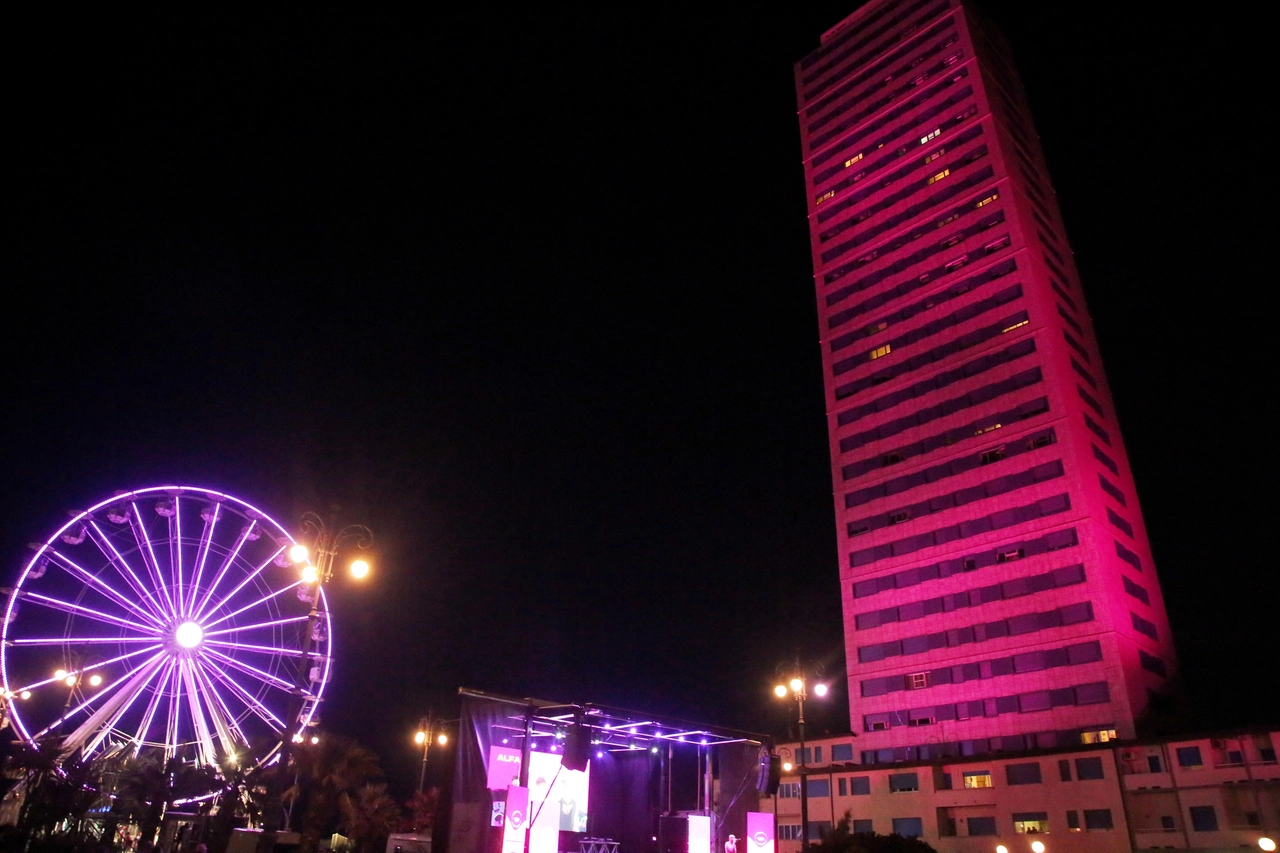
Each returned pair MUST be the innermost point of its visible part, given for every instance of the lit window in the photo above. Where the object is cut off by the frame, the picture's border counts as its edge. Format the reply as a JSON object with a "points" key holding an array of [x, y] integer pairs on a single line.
{"points": [[1032, 823], [981, 430], [977, 778], [853, 159], [881, 351], [939, 176], [878, 327], [826, 195], [1098, 737], [988, 200], [935, 155], [952, 59], [933, 134], [1018, 325], [948, 220]]}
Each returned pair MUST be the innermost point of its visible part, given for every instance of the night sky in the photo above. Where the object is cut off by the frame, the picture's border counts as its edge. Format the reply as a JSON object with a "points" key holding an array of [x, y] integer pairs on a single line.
{"points": [[529, 294]]}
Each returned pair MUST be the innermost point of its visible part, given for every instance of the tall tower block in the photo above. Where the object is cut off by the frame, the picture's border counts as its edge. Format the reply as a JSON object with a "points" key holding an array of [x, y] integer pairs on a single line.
{"points": [[997, 582]]}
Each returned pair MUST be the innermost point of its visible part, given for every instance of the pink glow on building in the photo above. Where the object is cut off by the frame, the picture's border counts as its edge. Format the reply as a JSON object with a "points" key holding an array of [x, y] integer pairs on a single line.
{"points": [[998, 586]]}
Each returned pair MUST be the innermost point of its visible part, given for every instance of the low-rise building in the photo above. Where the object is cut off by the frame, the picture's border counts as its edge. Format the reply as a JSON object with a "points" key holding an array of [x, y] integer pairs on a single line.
{"points": [[1212, 793]]}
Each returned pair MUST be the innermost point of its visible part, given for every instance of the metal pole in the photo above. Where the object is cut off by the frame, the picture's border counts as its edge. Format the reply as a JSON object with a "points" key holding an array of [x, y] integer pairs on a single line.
{"points": [[804, 792], [427, 725]]}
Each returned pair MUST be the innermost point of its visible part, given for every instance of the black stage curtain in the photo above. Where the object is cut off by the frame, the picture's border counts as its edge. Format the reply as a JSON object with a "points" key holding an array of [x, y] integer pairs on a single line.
{"points": [[624, 799]]}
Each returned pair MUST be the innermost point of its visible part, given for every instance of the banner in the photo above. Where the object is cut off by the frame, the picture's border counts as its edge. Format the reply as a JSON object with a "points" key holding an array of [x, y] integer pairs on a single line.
{"points": [[517, 827], [759, 832]]}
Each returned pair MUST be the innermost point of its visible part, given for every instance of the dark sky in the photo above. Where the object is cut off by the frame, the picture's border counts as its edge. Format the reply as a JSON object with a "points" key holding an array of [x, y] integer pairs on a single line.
{"points": [[529, 294]]}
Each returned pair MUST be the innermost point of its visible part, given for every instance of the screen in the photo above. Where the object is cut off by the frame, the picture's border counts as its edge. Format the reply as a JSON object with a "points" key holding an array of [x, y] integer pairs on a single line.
{"points": [[557, 796]]}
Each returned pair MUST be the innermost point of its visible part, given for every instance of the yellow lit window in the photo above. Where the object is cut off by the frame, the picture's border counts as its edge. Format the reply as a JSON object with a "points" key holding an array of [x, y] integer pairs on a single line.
{"points": [[981, 430], [1032, 827], [852, 160], [826, 195], [878, 327], [939, 176], [988, 200], [1015, 326], [935, 155], [881, 351], [1098, 737], [977, 779]]}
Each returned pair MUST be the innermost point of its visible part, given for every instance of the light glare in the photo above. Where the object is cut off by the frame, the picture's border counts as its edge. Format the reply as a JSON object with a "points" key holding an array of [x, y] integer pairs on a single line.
{"points": [[188, 635], [781, 691], [299, 553], [59, 674], [786, 766], [420, 738], [359, 569], [70, 681], [797, 685], [310, 574], [442, 739], [95, 680], [1266, 844], [1037, 846], [820, 689]]}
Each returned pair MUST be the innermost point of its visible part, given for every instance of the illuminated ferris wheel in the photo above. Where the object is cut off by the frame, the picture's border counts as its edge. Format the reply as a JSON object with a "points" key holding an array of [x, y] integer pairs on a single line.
{"points": [[168, 617]]}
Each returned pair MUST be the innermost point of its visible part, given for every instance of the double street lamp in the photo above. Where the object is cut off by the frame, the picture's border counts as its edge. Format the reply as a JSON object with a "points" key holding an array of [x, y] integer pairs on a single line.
{"points": [[798, 689], [426, 732]]}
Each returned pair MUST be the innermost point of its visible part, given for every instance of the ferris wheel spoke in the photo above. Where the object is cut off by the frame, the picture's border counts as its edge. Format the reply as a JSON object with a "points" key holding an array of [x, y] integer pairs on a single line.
{"points": [[121, 565], [171, 729], [109, 697], [256, 625], [62, 641], [250, 702], [107, 724], [81, 610], [202, 554], [252, 647], [246, 580], [150, 713], [226, 565], [68, 565], [198, 722], [79, 672], [252, 671], [223, 721], [175, 550], [153, 565], [262, 600]]}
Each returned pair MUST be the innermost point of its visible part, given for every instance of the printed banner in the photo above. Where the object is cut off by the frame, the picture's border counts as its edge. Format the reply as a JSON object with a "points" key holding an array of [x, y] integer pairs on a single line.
{"points": [[759, 832]]}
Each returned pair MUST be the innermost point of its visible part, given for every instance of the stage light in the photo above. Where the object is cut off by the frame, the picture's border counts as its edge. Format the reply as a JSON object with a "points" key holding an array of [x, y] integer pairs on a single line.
{"points": [[820, 690], [1037, 847], [797, 685], [420, 738], [310, 574], [95, 680], [1266, 844], [299, 553], [359, 569]]}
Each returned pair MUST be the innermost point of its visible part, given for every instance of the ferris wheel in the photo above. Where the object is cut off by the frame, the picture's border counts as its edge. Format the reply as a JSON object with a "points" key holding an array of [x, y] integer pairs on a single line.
{"points": [[167, 617]]}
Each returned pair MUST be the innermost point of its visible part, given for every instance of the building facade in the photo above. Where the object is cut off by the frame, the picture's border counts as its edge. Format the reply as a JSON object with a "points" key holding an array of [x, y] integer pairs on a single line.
{"points": [[1212, 793], [998, 588]]}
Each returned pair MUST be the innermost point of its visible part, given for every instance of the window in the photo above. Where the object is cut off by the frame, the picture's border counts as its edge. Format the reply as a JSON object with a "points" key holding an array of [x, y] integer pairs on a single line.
{"points": [[1189, 756], [788, 832], [863, 825], [989, 456], [842, 752], [1017, 325], [1023, 774], [1089, 768], [1204, 819], [933, 134], [1138, 593], [988, 199], [908, 827], [824, 197], [900, 516], [1153, 764], [977, 779], [917, 681], [859, 786], [789, 790], [982, 826], [819, 787], [1064, 770], [1032, 823], [854, 159], [934, 179], [843, 786], [1097, 737], [1105, 460], [1142, 626], [1073, 821], [880, 352], [818, 828], [903, 782], [1167, 823]]}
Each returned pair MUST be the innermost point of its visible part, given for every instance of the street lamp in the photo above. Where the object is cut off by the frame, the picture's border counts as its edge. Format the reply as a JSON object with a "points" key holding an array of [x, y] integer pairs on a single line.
{"points": [[423, 737], [796, 687], [315, 569]]}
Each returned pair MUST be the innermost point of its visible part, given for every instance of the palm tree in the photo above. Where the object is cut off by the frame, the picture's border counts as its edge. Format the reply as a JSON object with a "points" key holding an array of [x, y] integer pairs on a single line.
{"points": [[369, 816], [327, 772], [149, 785]]}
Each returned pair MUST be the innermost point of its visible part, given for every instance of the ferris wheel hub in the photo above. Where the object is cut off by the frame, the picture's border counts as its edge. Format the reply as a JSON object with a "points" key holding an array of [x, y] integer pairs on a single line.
{"points": [[189, 635]]}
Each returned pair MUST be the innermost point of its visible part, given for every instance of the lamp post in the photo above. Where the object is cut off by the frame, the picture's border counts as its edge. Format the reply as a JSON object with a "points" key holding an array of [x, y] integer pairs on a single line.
{"points": [[315, 562], [799, 690], [426, 731]]}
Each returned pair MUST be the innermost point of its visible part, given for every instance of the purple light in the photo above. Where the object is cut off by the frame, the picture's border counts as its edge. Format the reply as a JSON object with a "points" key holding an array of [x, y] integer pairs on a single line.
{"points": [[175, 561], [36, 684], [97, 696], [206, 541], [265, 677], [242, 583], [70, 566], [125, 570], [247, 698], [265, 598], [258, 625], [226, 564], [250, 647], [150, 714], [68, 607], [58, 641], [140, 529]]}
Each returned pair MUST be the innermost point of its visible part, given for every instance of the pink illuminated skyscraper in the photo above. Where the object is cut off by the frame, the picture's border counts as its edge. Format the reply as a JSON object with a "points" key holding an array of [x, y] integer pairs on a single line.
{"points": [[999, 591]]}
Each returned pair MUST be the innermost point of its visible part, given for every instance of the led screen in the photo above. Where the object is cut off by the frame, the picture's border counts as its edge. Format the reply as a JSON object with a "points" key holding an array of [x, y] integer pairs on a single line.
{"points": [[557, 797]]}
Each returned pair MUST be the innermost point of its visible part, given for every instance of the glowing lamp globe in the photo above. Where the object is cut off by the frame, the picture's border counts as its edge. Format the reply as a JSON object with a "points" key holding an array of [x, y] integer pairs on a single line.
{"points": [[820, 690], [70, 681], [1037, 847], [95, 681], [1266, 844], [442, 739], [310, 574], [420, 738], [781, 691], [299, 553], [188, 635], [1000, 848], [786, 766], [359, 569]]}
